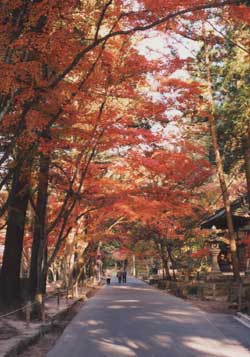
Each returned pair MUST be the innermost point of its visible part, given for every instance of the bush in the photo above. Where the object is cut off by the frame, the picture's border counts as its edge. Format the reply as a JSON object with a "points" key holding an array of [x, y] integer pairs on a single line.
{"points": [[162, 284], [192, 290], [153, 281]]}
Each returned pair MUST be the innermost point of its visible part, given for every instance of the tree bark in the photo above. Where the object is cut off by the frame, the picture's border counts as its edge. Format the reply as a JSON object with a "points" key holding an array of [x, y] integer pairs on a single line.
{"points": [[246, 150], [39, 245], [220, 172], [164, 255], [18, 203], [169, 250]]}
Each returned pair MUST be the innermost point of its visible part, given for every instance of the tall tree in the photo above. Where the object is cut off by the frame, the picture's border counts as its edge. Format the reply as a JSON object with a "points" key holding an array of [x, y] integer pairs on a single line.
{"points": [[46, 50]]}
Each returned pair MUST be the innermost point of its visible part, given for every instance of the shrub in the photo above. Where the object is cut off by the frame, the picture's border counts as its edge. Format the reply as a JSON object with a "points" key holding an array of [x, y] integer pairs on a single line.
{"points": [[162, 284], [192, 290]]}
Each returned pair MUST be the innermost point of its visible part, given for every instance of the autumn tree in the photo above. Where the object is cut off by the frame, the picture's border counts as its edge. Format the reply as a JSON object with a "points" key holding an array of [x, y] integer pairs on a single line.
{"points": [[120, 106], [48, 52], [211, 60]]}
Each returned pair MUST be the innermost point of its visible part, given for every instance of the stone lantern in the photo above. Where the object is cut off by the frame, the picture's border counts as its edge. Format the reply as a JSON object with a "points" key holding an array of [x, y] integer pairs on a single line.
{"points": [[213, 244], [215, 250]]}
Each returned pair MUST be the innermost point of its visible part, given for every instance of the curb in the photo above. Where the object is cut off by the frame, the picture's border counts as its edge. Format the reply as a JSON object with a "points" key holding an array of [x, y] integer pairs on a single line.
{"points": [[243, 319], [43, 329], [24, 342]]}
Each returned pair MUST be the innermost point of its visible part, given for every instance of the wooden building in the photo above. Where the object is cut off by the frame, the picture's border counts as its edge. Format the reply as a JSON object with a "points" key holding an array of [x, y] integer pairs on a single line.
{"points": [[241, 220]]}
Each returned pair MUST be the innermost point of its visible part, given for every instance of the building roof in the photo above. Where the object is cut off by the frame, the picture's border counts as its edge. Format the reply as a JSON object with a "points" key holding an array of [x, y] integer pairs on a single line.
{"points": [[240, 212]]}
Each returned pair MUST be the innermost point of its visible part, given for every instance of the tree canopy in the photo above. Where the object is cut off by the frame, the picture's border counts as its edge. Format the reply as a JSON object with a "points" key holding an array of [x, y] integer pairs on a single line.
{"points": [[87, 154]]}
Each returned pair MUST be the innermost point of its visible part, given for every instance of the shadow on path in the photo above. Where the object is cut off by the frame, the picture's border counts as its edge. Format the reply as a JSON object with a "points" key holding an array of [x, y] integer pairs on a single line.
{"points": [[136, 320]]}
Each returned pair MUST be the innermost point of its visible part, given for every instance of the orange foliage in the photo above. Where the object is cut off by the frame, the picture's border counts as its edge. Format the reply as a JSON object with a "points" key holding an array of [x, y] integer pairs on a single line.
{"points": [[72, 86]]}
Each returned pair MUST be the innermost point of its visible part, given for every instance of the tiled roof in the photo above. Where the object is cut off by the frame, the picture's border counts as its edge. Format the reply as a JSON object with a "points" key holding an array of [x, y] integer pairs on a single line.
{"points": [[240, 211]]}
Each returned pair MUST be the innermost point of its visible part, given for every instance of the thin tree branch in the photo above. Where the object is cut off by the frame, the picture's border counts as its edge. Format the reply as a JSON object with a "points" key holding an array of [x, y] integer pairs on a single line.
{"points": [[99, 22], [227, 38], [139, 28]]}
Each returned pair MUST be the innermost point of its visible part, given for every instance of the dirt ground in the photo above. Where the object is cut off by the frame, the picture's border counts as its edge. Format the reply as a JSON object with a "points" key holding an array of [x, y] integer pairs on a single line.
{"points": [[46, 342], [212, 306]]}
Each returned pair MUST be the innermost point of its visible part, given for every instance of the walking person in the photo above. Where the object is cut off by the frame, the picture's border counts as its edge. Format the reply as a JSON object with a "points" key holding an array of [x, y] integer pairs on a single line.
{"points": [[124, 276], [119, 276], [108, 276]]}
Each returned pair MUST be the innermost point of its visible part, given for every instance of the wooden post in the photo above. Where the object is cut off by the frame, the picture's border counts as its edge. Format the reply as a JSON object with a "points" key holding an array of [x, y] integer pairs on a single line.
{"points": [[43, 311], [214, 290], [133, 266], [240, 296], [201, 291], [28, 313], [67, 295], [230, 294], [58, 299]]}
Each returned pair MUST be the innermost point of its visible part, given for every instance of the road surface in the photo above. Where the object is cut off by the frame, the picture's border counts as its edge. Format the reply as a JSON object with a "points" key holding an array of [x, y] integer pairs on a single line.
{"points": [[135, 319]]}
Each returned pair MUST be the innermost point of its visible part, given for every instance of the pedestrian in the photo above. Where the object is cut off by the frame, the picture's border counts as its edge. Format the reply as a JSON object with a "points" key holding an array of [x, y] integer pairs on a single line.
{"points": [[119, 276], [108, 280], [124, 276], [108, 276]]}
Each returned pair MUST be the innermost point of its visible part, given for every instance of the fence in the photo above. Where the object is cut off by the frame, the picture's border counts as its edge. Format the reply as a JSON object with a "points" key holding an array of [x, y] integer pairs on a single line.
{"points": [[67, 293], [235, 294]]}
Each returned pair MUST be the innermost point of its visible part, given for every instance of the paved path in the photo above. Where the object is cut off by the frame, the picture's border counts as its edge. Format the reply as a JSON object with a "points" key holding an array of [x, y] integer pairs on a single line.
{"points": [[137, 320]]}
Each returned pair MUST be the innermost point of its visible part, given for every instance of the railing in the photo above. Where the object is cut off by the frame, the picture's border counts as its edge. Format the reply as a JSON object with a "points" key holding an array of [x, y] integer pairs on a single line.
{"points": [[68, 292]]}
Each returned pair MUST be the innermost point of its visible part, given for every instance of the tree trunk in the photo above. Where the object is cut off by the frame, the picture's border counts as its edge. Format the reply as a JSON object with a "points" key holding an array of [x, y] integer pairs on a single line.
{"points": [[18, 203], [220, 172], [246, 149], [169, 250], [44, 273], [163, 253], [39, 245]]}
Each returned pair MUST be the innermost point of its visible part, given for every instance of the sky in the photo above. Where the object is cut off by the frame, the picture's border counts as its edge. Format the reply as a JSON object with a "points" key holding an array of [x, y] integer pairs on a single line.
{"points": [[159, 46]]}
